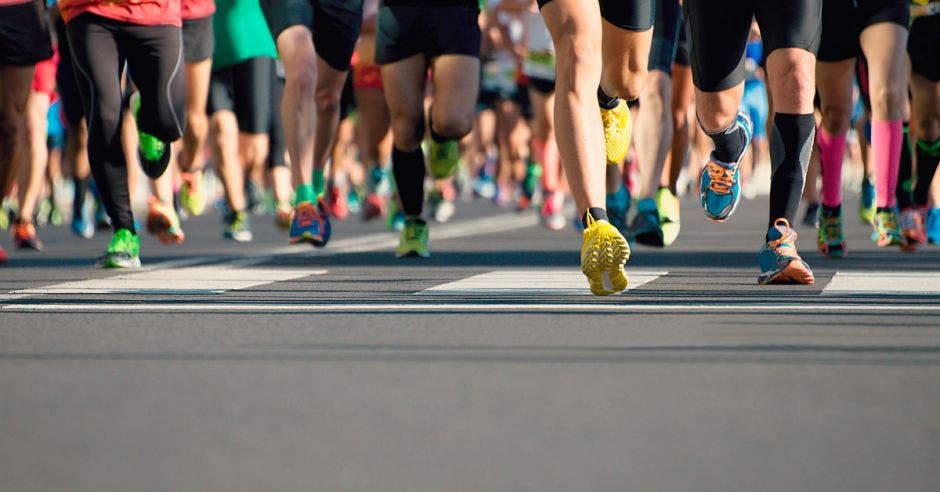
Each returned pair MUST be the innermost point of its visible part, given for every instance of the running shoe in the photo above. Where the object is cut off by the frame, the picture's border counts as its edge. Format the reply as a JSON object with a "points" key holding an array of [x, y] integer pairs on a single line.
{"points": [[414, 239], [444, 158], [530, 184], [811, 216], [373, 207], [503, 196], [829, 238], [3, 256], [122, 252], [669, 221], [237, 228], [618, 205], [866, 205], [24, 235], [484, 187], [914, 236], [933, 225], [283, 216], [646, 227], [336, 203], [523, 203], [604, 252], [82, 228], [354, 202], [154, 153], [163, 222], [396, 217], [552, 218], [887, 231], [779, 262], [191, 197], [617, 128], [721, 183], [441, 208], [311, 224]]}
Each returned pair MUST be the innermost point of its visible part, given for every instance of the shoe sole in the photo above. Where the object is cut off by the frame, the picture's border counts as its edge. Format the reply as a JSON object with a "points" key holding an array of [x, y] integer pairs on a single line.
{"points": [[316, 241], [159, 226], [796, 272], [129, 265], [605, 262], [832, 252], [413, 254]]}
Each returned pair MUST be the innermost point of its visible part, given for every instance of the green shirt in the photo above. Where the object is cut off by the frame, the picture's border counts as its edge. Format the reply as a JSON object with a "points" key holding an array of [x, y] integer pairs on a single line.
{"points": [[240, 33]]}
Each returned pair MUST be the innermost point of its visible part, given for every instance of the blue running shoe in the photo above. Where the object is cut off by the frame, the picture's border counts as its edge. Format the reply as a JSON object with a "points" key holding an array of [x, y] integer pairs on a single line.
{"points": [[721, 184], [779, 262], [618, 204], [933, 225], [310, 225], [866, 204], [646, 228]]}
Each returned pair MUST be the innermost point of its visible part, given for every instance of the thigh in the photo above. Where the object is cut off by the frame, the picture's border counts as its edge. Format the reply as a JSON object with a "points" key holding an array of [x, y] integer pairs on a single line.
{"points": [[97, 62], [455, 85], [718, 32], [221, 95], [404, 82], [336, 26], [15, 83], [251, 80]]}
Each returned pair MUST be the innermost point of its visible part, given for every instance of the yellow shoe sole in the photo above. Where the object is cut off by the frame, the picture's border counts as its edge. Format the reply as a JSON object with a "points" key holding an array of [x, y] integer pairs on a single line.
{"points": [[603, 256]]}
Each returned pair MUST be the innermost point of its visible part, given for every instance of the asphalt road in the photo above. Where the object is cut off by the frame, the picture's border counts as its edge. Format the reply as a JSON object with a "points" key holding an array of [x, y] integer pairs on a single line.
{"points": [[245, 367]]}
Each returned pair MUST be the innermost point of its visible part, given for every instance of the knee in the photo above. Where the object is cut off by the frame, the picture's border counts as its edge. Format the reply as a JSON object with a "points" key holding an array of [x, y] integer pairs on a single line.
{"points": [[795, 70], [452, 126], [407, 132], [625, 81], [888, 100], [578, 65], [835, 118], [927, 127], [327, 99], [716, 112]]}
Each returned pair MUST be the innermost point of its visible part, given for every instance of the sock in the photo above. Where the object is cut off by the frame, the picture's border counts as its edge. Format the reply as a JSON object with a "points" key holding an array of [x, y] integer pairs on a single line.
{"points": [[319, 183], [831, 153], [408, 169], [729, 143], [905, 187], [81, 192], [304, 194], [605, 101], [790, 146], [886, 140], [928, 156], [597, 213]]}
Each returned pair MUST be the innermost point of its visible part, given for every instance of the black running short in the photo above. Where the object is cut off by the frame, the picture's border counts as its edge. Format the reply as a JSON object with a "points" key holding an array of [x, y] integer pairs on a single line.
{"points": [[844, 20], [408, 30], [245, 89], [924, 47], [347, 98], [24, 34], [198, 39], [335, 25], [719, 30], [544, 86], [665, 36], [632, 15]]}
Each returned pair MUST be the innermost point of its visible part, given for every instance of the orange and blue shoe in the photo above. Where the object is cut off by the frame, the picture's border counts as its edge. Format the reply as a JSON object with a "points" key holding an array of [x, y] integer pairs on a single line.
{"points": [[887, 230], [24, 235], [721, 183], [830, 239], [311, 224], [163, 222], [778, 259], [911, 222]]}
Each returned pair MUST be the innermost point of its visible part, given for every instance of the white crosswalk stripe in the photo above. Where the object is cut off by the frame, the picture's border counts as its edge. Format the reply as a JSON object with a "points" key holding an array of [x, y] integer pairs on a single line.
{"points": [[530, 282], [884, 283]]}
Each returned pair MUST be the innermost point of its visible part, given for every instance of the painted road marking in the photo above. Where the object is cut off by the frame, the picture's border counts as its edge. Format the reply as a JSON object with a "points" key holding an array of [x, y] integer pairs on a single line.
{"points": [[849, 283], [199, 280], [529, 282], [354, 308]]}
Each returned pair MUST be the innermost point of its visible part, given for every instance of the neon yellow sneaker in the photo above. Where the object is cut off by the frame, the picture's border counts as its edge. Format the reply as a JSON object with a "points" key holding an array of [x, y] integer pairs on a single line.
{"points": [[604, 252], [668, 206], [414, 239], [443, 158], [191, 197], [617, 129]]}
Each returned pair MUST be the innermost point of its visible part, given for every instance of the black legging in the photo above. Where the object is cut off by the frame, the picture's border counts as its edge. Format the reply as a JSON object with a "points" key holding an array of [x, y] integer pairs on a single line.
{"points": [[100, 46]]}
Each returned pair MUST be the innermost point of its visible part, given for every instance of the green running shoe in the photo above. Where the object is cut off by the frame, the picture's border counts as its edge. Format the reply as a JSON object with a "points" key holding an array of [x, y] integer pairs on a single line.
{"points": [[830, 240], [866, 204], [236, 227], [667, 205], [887, 231], [444, 158], [154, 153], [414, 239], [123, 252]]}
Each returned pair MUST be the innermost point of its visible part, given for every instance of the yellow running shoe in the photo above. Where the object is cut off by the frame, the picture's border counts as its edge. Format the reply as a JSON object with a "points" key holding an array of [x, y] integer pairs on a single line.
{"points": [[603, 255], [617, 129], [414, 239], [191, 197], [668, 206]]}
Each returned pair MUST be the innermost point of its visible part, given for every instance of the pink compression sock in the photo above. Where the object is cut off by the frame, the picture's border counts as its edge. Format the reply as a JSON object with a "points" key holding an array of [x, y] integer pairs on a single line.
{"points": [[886, 140], [831, 153], [551, 165]]}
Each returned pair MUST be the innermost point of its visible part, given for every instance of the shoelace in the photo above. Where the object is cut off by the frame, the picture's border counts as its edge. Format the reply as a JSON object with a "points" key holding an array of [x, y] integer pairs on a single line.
{"points": [[306, 215], [722, 178], [784, 245], [609, 117]]}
